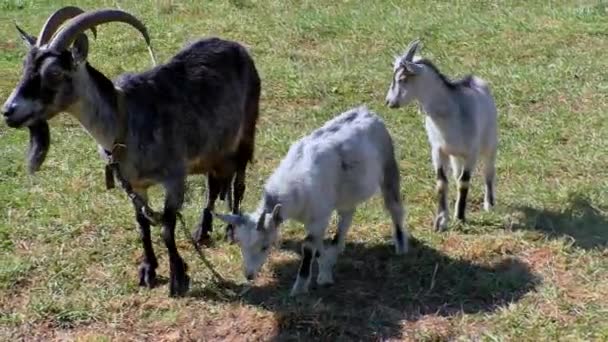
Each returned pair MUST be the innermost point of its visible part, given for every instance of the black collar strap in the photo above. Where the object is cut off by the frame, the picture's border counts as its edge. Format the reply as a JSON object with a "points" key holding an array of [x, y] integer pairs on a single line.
{"points": [[119, 146]]}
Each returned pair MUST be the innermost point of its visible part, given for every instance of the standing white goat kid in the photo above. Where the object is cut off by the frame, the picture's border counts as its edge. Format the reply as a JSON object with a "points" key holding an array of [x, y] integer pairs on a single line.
{"points": [[460, 124], [336, 167]]}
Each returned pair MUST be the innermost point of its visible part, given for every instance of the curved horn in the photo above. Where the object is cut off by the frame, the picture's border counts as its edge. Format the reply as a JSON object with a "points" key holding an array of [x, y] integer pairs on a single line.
{"points": [[66, 36], [55, 20]]}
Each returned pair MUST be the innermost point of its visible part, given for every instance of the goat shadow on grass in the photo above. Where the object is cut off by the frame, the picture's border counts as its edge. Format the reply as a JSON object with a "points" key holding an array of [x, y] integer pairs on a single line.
{"points": [[579, 219], [376, 291]]}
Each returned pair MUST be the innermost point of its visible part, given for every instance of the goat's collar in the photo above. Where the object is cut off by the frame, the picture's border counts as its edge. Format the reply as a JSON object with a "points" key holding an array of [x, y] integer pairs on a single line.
{"points": [[119, 145], [121, 121]]}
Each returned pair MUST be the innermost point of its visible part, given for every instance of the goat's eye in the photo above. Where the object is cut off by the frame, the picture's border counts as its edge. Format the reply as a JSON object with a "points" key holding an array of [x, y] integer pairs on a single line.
{"points": [[53, 76], [264, 248]]}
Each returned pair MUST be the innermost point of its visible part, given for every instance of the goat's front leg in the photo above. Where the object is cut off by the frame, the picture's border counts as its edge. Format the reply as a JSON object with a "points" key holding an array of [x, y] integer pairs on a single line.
{"points": [[202, 232], [440, 162], [178, 269], [147, 268], [329, 256], [312, 244]]}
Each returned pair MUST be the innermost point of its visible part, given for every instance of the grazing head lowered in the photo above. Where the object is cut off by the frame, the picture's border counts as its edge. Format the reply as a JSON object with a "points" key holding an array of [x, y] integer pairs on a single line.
{"points": [[255, 234], [51, 69], [336, 167]]}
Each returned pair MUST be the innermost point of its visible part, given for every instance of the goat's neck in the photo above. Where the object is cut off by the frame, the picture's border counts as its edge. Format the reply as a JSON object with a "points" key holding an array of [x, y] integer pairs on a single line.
{"points": [[439, 104], [95, 108]]}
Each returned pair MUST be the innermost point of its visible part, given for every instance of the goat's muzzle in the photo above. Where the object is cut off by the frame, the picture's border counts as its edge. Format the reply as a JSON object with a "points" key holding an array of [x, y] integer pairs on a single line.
{"points": [[12, 117], [7, 112], [392, 104]]}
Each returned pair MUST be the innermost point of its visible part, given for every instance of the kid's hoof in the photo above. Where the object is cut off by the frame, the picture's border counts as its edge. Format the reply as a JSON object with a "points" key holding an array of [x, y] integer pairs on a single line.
{"points": [[441, 223], [325, 279], [300, 287]]}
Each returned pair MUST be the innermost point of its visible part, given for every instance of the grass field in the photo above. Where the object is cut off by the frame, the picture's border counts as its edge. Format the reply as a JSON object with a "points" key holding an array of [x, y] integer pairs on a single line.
{"points": [[534, 269]]}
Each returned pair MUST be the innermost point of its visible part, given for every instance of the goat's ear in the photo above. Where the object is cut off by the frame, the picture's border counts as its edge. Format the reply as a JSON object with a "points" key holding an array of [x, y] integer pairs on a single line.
{"points": [[411, 50], [261, 222], [232, 219], [28, 39], [80, 49], [276, 214], [413, 68]]}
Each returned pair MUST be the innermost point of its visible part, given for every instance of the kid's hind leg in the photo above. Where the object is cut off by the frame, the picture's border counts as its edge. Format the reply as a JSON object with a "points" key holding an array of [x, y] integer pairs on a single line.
{"points": [[328, 257], [489, 174], [391, 193], [463, 176], [202, 232]]}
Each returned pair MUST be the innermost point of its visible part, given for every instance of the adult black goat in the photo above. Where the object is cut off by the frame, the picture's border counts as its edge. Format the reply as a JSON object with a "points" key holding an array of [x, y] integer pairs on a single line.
{"points": [[194, 114]]}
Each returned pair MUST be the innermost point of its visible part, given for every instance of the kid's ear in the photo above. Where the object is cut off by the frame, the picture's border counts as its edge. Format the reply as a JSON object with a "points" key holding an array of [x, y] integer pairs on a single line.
{"points": [[232, 219], [413, 68], [276, 214]]}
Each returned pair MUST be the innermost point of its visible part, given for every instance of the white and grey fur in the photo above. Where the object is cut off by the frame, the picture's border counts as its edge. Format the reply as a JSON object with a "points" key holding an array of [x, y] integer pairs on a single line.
{"points": [[336, 167], [461, 124]]}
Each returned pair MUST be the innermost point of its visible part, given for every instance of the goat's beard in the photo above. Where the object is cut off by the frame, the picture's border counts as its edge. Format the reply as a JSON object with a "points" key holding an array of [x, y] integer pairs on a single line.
{"points": [[40, 142]]}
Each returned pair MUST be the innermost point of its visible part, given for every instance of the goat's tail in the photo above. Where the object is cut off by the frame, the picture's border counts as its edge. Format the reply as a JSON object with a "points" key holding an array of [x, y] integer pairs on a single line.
{"points": [[391, 181]]}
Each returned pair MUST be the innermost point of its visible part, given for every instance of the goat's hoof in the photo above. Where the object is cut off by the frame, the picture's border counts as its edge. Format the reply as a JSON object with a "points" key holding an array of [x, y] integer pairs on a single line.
{"points": [[487, 206], [300, 287], [180, 281], [441, 223], [460, 220], [147, 275], [401, 249], [201, 236], [325, 279], [297, 292]]}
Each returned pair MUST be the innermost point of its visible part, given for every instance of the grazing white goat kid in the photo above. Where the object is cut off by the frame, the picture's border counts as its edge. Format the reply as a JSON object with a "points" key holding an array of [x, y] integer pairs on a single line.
{"points": [[460, 124], [336, 167]]}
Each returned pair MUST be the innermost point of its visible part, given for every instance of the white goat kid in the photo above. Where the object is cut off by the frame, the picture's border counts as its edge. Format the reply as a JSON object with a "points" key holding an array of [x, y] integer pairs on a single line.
{"points": [[336, 167], [461, 123]]}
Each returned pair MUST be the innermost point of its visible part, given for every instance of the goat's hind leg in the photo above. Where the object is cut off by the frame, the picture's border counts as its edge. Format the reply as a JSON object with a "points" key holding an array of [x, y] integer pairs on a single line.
{"points": [[463, 176], [489, 173], [202, 233], [329, 255], [174, 200], [391, 193], [147, 267]]}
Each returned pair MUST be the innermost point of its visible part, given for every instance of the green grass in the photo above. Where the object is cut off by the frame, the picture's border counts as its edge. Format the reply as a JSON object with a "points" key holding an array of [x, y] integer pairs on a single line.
{"points": [[534, 269]]}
